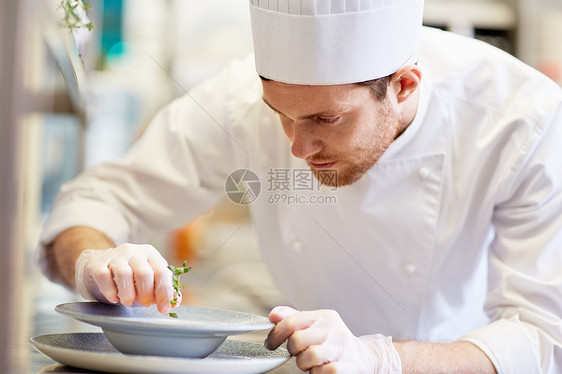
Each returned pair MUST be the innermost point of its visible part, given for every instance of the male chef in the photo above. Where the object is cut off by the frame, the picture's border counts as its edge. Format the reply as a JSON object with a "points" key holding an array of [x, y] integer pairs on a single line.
{"points": [[443, 250]]}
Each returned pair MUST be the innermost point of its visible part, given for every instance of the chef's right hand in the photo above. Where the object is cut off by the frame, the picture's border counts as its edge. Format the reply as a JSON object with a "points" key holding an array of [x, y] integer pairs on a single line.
{"points": [[129, 274]]}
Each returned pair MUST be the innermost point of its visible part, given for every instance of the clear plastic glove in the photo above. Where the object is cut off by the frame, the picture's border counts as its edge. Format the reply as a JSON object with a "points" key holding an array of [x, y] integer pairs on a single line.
{"points": [[131, 274], [322, 343]]}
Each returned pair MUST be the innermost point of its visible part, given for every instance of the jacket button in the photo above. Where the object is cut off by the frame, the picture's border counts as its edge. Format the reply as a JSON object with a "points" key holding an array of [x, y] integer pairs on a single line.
{"points": [[423, 173], [410, 268], [298, 246]]}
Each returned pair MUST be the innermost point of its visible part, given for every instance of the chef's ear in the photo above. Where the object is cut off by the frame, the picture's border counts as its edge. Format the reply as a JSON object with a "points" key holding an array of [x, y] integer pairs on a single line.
{"points": [[405, 82]]}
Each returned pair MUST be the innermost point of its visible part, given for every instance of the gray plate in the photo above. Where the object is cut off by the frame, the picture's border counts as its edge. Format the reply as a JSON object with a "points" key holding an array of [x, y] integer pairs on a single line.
{"points": [[92, 351], [196, 333], [191, 320]]}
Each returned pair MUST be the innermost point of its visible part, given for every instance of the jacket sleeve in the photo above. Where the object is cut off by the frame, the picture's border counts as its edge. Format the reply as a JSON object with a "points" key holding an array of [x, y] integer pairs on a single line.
{"points": [[175, 172], [525, 260]]}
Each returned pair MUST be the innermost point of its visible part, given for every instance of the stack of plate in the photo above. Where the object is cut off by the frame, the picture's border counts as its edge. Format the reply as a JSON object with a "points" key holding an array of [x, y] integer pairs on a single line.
{"points": [[141, 340]]}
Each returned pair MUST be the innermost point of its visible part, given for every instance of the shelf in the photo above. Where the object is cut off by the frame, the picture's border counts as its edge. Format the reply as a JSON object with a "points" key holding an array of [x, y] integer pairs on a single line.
{"points": [[62, 46], [462, 16]]}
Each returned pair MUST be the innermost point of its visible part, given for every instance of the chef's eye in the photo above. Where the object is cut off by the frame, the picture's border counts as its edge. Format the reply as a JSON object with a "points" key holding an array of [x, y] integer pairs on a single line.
{"points": [[327, 119]]}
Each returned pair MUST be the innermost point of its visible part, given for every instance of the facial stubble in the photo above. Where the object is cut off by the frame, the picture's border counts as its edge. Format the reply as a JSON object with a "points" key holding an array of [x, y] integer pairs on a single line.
{"points": [[365, 154]]}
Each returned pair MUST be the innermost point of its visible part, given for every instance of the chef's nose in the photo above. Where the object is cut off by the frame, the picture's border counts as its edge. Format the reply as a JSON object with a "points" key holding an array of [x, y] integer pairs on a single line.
{"points": [[305, 143]]}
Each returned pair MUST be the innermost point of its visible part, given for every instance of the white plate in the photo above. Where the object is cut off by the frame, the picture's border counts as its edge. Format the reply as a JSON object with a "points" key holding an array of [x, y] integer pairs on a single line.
{"points": [[196, 333], [92, 351]]}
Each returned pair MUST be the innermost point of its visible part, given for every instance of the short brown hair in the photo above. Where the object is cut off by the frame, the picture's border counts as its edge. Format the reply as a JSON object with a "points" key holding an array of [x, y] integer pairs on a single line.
{"points": [[379, 86]]}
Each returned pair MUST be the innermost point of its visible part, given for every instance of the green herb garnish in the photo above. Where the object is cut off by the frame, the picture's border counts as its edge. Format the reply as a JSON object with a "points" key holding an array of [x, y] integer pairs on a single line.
{"points": [[177, 272], [75, 14]]}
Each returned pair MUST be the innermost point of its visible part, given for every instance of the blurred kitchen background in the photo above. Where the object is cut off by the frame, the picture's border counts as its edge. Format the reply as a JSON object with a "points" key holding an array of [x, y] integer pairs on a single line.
{"points": [[72, 100]]}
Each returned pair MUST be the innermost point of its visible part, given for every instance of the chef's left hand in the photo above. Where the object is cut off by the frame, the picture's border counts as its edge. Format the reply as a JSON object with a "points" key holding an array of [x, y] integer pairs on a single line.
{"points": [[322, 343]]}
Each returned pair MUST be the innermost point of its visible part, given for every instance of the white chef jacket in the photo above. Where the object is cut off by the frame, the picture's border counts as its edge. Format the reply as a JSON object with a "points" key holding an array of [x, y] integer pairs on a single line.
{"points": [[454, 233]]}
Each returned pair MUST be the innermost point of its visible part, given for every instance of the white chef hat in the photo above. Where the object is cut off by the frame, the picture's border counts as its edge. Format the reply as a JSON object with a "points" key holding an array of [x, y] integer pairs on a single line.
{"points": [[322, 42]]}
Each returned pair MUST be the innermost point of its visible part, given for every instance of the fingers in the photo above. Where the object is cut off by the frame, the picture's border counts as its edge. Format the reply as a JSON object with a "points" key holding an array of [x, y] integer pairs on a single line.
{"points": [[163, 289], [129, 274], [287, 321], [319, 353], [320, 340], [278, 313], [143, 277], [330, 368], [301, 340], [123, 278], [102, 277]]}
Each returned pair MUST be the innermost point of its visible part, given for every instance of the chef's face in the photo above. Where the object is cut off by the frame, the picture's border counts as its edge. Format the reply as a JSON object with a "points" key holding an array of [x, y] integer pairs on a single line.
{"points": [[342, 127]]}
